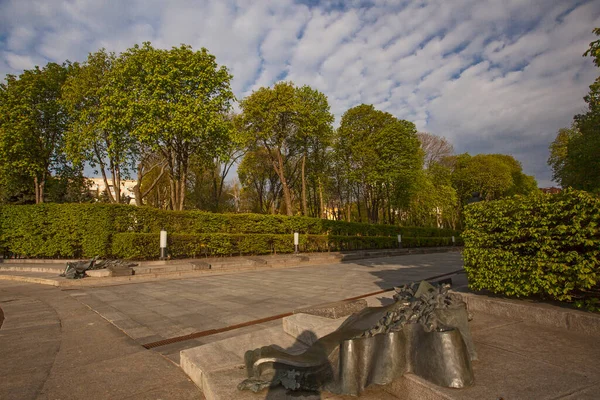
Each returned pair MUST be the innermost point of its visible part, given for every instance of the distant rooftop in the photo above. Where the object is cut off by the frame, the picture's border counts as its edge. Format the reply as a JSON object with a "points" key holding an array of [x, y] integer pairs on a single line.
{"points": [[551, 190]]}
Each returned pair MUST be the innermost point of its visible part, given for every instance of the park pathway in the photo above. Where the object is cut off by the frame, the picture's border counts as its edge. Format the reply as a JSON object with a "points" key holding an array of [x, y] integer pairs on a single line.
{"points": [[54, 347], [154, 311]]}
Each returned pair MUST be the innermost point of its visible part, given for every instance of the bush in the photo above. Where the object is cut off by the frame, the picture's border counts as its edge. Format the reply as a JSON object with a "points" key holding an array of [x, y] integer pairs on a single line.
{"points": [[87, 230], [146, 245], [540, 244]]}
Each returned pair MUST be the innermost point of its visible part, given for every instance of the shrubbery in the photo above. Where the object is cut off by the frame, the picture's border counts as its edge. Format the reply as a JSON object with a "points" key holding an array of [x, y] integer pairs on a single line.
{"points": [[86, 230], [145, 245], [540, 244]]}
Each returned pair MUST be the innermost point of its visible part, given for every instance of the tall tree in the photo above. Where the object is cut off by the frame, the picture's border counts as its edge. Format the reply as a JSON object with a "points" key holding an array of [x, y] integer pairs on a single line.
{"points": [[178, 101], [221, 164], [574, 153], [97, 134], [32, 124], [261, 185], [287, 122], [380, 156], [491, 175], [314, 137], [435, 148]]}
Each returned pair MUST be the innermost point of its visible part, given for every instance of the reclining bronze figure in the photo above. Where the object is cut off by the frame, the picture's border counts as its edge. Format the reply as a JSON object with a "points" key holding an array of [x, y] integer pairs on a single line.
{"points": [[424, 332]]}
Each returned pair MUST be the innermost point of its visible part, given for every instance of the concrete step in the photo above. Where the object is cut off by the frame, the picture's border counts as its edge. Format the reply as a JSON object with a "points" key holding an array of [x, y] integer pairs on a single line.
{"points": [[195, 265], [526, 350], [218, 367], [57, 268]]}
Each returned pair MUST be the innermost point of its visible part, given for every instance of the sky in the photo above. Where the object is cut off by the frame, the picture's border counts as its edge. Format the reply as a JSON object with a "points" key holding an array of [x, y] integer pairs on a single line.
{"points": [[492, 76]]}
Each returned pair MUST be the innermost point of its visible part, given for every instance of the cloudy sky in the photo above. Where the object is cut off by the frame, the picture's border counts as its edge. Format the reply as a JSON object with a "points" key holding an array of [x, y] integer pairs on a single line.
{"points": [[493, 76]]}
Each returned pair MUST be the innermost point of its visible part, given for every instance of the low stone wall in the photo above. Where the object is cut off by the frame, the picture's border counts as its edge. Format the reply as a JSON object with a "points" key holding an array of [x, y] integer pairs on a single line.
{"points": [[536, 313]]}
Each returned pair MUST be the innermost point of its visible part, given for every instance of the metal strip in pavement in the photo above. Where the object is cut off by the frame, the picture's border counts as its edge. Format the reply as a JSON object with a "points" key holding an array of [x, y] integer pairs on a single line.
{"points": [[210, 332]]}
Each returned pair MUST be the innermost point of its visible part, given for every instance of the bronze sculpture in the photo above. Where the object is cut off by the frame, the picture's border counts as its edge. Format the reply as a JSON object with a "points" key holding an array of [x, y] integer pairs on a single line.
{"points": [[425, 332]]}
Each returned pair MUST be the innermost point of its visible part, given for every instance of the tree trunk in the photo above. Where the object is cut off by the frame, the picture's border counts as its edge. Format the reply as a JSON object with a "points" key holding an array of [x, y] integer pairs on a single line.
{"points": [[116, 180], [37, 190], [304, 205], [137, 189], [138, 195], [287, 196], [321, 207], [173, 193], [41, 190], [349, 209], [182, 187], [104, 178]]}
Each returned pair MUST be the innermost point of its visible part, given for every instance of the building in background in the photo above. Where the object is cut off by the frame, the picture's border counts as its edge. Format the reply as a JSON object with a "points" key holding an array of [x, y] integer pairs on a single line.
{"points": [[551, 190], [98, 187]]}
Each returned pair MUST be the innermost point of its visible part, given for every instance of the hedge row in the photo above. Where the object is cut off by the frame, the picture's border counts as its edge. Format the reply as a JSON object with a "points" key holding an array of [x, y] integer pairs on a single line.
{"points": [[540, 244], [146, 245], [86, 230]]}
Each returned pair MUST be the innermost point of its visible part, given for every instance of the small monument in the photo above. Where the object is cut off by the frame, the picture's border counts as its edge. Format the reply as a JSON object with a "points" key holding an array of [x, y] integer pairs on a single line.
{"points": [[424, 332]]}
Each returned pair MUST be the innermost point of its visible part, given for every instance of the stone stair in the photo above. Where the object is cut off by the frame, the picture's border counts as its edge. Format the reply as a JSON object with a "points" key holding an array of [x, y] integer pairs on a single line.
{"points": [[526, 351], [172, 269]]}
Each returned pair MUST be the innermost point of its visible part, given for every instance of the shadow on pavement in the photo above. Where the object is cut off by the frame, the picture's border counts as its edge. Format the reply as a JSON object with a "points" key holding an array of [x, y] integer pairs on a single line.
{"points": [[279, 392]]}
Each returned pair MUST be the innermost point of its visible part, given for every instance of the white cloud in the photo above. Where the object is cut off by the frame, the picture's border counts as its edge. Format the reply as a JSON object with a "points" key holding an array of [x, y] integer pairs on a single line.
{"points": [[492, 76]]}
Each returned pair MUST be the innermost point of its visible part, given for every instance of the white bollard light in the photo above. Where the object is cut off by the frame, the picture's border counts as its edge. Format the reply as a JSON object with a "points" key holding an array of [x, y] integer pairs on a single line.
{"points": [[453, 241], [296, 241], [163, 244], [399, 241]]}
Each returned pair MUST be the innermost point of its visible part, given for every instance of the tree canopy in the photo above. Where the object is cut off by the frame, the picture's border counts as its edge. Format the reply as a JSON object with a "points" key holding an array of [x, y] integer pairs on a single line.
{"points": [[380, 155], [175, 102], [291, 123], [574, 153], [164, 116], [32, 125]]}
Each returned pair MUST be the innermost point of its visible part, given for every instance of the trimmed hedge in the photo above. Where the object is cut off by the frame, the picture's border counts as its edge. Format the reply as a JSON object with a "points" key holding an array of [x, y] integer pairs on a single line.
{"points": [[146, 245], [87, 230], [540, 244]]}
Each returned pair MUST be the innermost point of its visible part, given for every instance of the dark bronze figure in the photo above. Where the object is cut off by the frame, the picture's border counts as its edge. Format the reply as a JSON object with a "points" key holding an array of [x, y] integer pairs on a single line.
{"points": [[424, 332]]}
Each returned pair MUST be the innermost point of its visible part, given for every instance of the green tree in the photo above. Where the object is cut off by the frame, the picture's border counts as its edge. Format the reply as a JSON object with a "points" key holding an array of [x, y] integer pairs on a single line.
{"points": [[292, 124], [433, 200], [32, 124], [380, 156], [177, 102], [260, 182], [574, 153], [493, 176], [221, 164], [95, 134]]}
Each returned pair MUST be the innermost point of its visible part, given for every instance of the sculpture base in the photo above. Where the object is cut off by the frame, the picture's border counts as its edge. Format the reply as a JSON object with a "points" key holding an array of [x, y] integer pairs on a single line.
{"points": [[216, 368]]}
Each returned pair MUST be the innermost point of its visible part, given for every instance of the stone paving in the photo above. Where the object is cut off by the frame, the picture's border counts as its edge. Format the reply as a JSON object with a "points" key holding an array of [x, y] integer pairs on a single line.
{"points": [[158, 310], [54, 342], [53, 347]]}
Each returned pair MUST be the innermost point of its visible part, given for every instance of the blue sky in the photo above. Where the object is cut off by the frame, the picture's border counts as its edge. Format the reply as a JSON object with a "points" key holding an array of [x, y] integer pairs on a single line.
{"points": [[492, 76]]}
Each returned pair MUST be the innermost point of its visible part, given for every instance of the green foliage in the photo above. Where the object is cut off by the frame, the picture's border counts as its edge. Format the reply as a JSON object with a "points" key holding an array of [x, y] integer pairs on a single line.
{"points": [[96, 133], [433, 200], [379, 156], [32, 121], [539, 244], [87, 230], [493, 176], [293, 126], [145, 245], [574, 153], [260, 182], [175, 102]]}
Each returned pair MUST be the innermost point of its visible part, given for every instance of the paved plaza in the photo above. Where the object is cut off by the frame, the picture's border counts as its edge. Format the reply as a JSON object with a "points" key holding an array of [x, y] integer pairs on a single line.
{"points": [[154, 311], [53, 338], [87, 342]]}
